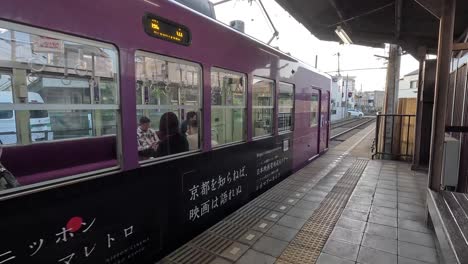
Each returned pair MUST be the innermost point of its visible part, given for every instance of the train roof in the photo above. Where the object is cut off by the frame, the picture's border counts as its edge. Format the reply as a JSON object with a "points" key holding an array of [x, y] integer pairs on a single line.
{"points": [[213, 44], [267, 47]]}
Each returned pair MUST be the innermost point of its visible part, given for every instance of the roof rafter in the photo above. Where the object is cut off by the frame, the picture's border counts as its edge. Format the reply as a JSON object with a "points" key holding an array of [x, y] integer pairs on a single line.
{"points": [[432, 6]]}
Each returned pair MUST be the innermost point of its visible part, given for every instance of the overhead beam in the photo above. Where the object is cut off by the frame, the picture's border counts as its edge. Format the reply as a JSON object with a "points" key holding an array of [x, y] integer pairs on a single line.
{"points": [[432, 6], [398, 9], [370, 12], [460, 46], [339, 13]]}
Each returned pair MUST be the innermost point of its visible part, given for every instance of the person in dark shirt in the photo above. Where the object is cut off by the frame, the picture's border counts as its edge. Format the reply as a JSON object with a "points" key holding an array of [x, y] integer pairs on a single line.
{"points": [[7, 180], [184, 126], [172, 141]]}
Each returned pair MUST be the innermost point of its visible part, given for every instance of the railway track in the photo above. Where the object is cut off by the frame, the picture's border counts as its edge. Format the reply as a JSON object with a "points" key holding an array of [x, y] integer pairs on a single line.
{"points": [[343, 122], [346, 127]]}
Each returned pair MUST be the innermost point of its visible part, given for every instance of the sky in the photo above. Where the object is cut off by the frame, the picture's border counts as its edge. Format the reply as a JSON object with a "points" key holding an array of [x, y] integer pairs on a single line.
{"points": [[300, 43]]}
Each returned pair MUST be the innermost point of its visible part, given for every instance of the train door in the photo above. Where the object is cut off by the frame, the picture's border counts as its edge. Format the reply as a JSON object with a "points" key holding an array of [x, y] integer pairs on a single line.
{"points": [[324, 119]]}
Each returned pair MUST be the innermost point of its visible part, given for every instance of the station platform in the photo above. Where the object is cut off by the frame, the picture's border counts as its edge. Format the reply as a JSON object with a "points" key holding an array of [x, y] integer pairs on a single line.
{"points": [[341, 208]]}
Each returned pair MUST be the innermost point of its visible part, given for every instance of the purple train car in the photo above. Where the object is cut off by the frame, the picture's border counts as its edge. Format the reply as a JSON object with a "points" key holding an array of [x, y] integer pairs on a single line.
{"points": [[95, 181]]}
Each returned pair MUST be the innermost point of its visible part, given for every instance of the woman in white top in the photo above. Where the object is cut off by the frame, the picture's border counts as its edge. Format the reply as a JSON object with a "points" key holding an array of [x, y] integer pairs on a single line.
{"points": [[192, 135]]}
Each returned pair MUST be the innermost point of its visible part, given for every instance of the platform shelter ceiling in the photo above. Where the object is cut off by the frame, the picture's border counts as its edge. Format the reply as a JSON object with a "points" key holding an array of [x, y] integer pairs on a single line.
{"points": [[409, 23]]}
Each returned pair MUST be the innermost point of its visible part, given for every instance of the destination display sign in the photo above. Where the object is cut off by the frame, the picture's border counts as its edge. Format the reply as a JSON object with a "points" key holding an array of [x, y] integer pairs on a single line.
{"points": [[167, 30]]}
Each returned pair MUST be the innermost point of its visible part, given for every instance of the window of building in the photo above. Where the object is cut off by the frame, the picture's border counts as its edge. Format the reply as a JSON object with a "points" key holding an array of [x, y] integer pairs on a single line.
{"points": [[263, 92], [413, 84], [314, 110], [286, 107], [228, 107], [53, 87], [168, 105]]}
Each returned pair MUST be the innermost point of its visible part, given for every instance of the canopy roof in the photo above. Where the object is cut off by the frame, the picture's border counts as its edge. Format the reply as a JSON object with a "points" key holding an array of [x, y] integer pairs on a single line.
{"points": [[409, 23]]}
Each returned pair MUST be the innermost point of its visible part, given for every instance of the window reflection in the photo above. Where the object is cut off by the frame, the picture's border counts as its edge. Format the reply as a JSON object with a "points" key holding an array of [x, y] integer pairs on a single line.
{"points": [[55, 87], [263, 106], [314, 109], [228, 97], [286, 107], [168, 94]]}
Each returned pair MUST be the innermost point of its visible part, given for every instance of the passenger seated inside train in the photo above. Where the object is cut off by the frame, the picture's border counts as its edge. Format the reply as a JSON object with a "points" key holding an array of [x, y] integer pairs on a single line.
{"points": [[189, 117], [7, 180], [147, 138], [192, 136], [171, 140]]}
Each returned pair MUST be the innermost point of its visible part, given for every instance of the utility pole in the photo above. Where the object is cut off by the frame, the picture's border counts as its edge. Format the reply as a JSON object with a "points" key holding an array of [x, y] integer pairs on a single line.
{"points": [[391, 96], [13, 45], [360, 99], [393, 76], [346, 94]]}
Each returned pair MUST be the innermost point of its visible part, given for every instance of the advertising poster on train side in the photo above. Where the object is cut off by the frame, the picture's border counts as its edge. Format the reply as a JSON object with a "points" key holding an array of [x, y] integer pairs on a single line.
{"points": [[134, 216], [210, 192]]}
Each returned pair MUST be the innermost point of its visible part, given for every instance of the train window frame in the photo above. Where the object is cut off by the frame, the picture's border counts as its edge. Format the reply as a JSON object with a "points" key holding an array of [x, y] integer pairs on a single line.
{"points": [[199, 66], [272, 107], [245, 106], [6, 68], [292, 107], [72, 38]]}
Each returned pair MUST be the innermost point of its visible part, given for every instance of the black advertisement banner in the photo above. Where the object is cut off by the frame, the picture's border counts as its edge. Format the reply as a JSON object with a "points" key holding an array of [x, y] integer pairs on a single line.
{"points": [[139, 216]]}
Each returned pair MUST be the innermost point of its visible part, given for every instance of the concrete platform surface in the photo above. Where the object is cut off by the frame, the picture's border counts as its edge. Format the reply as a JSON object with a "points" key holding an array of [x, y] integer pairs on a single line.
{"points": [[341, 208]]}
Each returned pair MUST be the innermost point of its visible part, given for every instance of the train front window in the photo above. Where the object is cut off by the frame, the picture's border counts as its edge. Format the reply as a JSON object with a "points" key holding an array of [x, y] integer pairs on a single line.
{"points": [[228, 107], [286, 107], [262, 106], [57, 87], [168, 105]]}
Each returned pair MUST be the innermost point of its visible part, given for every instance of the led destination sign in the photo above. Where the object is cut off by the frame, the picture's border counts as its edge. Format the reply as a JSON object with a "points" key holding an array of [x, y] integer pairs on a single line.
{"points": [[167, 30]]}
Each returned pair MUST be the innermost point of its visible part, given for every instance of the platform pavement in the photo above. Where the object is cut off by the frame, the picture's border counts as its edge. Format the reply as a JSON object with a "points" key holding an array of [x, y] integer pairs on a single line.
{"points": [[341, 208]]}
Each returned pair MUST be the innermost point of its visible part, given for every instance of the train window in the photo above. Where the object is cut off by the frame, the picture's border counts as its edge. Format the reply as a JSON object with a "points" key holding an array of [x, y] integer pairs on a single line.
{"points": [[314, 109], [168, 105], [7, 127], [286, 107], [262, 106], [54, 87], [228, 107]]}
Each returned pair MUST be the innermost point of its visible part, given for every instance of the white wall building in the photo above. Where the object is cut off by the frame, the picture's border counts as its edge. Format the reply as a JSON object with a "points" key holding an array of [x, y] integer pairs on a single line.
{"points": [[343, 87], [337, 110], [408, 85]]}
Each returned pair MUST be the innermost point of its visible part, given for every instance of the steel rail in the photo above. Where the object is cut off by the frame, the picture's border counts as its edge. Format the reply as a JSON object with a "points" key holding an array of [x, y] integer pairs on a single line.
{"points": [[351, 129], [348, 122]]}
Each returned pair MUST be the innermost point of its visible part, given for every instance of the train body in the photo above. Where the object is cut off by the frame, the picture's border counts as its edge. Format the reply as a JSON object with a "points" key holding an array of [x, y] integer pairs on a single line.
{"points": [[85, 194]]}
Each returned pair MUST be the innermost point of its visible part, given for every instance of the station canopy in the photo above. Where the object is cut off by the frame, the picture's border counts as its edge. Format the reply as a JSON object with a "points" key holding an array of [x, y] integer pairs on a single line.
{"points": [[409, 23]]}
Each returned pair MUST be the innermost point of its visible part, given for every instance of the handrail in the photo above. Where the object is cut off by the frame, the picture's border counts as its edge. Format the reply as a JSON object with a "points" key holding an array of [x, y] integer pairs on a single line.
{"points": [[399, 127]]}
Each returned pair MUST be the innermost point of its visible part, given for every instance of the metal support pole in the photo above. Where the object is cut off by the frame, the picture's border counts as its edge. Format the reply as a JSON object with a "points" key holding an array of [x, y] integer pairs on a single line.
{"points": [[419, 107], [444, 57]]}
